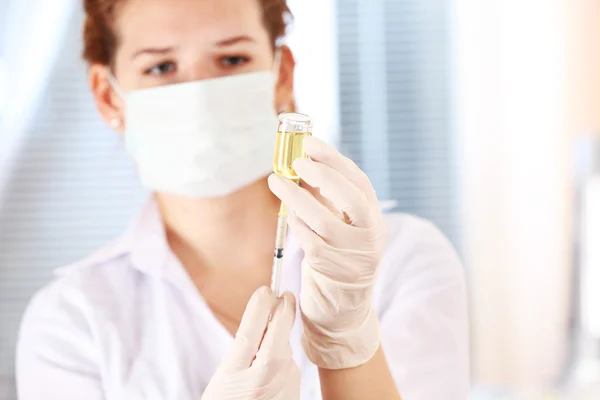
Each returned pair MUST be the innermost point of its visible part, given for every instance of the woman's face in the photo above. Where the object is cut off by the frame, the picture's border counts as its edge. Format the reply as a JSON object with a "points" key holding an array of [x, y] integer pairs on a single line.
{"points": [[162, 42]]}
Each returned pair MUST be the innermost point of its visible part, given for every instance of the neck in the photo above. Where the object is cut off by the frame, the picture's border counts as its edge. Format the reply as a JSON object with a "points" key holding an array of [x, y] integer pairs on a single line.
{"points": [[234, 231]]}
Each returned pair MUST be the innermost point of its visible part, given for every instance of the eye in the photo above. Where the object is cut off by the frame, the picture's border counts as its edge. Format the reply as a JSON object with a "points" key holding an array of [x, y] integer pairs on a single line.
{"points": [[234, 61], [161, 69]]}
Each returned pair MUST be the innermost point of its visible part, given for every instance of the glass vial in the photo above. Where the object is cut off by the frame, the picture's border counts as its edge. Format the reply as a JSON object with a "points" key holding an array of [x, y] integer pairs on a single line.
{"points": [[289, 145]]}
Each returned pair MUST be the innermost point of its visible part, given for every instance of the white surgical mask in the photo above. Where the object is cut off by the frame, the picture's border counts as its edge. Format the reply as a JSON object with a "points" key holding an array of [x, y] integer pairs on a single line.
{"points": [[207, 138]]}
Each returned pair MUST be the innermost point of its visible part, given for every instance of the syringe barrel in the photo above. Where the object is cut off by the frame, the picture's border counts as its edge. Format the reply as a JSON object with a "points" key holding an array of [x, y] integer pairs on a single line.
{"points": [[292, 129]]}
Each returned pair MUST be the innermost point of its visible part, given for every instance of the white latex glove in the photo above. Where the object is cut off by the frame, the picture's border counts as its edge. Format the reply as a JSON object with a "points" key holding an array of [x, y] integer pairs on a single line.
{"points": [[259, 365], [339, 224]]}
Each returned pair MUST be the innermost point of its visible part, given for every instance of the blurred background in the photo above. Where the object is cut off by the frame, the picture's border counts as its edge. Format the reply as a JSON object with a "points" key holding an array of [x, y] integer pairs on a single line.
{"points": [[481, 115]]}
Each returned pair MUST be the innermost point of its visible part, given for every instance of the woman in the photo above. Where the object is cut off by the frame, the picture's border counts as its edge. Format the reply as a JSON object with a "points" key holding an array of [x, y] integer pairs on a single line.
{"points": [[194, 87]]}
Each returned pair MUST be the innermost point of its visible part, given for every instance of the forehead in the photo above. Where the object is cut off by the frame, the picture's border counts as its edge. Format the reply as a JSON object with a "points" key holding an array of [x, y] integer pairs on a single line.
{"points": [[155, 21]]}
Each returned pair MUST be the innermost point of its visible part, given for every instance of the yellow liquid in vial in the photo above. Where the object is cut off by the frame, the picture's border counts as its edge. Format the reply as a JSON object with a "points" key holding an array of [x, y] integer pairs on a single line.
{"points": [[288, 148]]}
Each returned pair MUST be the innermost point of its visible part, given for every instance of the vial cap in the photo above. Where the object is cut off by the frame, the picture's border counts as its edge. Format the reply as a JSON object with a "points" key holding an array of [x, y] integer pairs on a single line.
{"points": [[295, 122]]}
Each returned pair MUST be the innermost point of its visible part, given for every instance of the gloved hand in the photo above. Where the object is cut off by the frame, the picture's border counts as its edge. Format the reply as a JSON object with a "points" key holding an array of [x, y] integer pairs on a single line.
{"points": [[257, 366], [339, 224]]}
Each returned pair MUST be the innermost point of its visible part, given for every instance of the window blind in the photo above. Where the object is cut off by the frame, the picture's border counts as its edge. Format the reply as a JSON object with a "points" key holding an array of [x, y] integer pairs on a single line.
{"points": [[395, 91], [72, 189]]}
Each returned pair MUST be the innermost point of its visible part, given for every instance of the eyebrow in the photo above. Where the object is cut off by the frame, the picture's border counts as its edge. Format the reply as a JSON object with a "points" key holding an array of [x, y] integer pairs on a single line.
{"points": [[165, 50], [234, 40], [159, 51]]}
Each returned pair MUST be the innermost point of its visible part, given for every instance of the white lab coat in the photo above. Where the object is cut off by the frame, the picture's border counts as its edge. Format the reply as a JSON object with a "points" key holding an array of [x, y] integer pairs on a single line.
{"points": [[127, 323]]}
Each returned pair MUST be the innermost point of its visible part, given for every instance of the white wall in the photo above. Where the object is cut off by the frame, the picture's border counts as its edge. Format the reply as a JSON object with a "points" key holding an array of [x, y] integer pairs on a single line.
{"points": [[39, 25], [516, 163], [313, 41]]}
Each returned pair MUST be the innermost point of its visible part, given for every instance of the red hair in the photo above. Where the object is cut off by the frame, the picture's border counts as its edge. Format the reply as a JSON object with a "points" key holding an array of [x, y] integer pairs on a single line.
{"points": [[100, 39]]}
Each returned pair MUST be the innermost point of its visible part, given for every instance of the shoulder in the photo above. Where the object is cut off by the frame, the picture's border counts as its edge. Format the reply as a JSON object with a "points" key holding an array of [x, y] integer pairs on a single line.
{"points": [[422, 304], [65, 330], [107, 255], [78, 292], [413, 236], [411, 230], [418, 254]]}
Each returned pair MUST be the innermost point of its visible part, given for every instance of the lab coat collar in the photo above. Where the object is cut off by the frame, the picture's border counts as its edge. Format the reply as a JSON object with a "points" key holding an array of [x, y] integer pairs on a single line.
{"points": [[150, 253], [144, 242], [148, 246]]}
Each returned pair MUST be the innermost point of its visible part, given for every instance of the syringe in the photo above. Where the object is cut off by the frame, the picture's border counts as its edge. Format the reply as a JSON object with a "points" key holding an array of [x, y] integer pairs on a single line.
{"points": [[292, 130]]}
